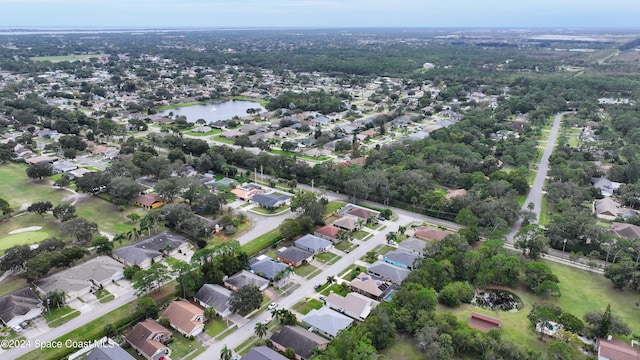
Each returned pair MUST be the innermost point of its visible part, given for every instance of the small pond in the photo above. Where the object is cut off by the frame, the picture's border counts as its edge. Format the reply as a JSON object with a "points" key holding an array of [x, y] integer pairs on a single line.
{"points": [[213, 112], [500, 300]]}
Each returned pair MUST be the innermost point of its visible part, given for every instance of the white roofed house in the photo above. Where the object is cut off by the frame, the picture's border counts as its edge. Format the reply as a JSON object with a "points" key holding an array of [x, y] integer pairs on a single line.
{"points": [[354, 305], [326, 322]]}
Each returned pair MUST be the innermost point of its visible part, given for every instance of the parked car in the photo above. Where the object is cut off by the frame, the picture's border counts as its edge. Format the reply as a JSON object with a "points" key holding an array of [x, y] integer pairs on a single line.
{"points": [[322, 298], [267, 321], [17, 328], [273, 305]]}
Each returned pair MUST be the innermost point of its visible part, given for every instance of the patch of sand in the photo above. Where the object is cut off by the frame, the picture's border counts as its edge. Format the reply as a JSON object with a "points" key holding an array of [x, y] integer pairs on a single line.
{"points": [[30, 228]]}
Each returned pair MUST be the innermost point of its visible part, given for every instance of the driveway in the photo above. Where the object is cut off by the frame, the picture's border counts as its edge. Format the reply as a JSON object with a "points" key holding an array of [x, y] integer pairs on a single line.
{"points": [[535, 193]]}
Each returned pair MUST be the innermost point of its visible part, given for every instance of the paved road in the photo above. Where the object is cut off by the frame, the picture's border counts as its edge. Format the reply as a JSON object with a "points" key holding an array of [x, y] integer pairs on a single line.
{"points": [[81, 320], [305, 290], [535, 193]]}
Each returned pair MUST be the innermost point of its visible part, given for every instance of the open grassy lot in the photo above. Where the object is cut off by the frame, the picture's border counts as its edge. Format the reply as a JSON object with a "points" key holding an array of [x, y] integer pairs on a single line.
{"points": [[305, 270], [105, 214], [584, 291], [345, 246], [327, 258], [222, 139], [17, 189], [262, 242], [334, 206]]}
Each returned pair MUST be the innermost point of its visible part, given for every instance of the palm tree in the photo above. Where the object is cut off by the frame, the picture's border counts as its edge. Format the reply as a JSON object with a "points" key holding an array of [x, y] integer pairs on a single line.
{"points": [[120, 237], [391, 236], [331, 279], [402, 229], [209, 313], [260, 329], [225, 353]]}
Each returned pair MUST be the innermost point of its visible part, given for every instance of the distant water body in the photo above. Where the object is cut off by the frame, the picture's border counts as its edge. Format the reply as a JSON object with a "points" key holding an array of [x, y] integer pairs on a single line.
{"points": [[213, 112]]}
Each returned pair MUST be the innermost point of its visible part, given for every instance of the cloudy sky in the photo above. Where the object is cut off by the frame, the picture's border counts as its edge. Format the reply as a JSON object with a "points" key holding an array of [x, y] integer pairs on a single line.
{"points": [[320, 13]]}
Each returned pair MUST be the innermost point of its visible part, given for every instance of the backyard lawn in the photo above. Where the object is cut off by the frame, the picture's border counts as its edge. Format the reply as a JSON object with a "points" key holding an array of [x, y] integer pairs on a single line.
{"points": [[262, 242], [334, 206], [12, 283]]}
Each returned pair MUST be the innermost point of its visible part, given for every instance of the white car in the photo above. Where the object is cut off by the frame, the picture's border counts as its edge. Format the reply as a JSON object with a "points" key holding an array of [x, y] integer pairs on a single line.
{"points": [[17, 328], [267, 321], [273, 305]]}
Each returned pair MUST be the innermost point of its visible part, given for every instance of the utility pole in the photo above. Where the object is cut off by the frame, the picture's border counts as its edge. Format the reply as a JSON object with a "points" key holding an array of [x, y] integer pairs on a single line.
{"points": [[255, 175], [261, 173], [312, 182]]}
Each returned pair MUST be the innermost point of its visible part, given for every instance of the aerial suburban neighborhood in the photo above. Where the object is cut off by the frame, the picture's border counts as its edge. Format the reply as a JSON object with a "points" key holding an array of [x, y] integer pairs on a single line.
{"points": [[237, 194]]}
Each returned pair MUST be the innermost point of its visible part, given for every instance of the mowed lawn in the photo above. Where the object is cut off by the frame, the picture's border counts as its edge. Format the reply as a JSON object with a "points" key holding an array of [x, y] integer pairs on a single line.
{"points": [[106, 215], [17, 189]]}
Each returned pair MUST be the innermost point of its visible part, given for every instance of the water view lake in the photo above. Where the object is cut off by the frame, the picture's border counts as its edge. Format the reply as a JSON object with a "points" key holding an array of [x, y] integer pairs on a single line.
{"points": [[213, 112]]}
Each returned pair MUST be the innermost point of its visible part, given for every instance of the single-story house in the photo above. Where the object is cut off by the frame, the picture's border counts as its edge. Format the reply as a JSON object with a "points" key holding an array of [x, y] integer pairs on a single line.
{"points": [[326, 322], [216, 297], [42, 158], [328, 232], [353, 305], [362, 213], [270, 201], [401, 258], [413, 245], [313, 244], [388, 272], [609, 209], [348, 223], [150, 201], [429, 233], [609, 349], [151, 249], [78, 173], [83, 278], [263, 353], [201, 129], [232, 134], [63, 166], [185, 317], [19, 306], [606, 186], [295, 256], [109, 351], [371, 286], [244, 278], [148, 338], [302, 341], [627, 231], [269, 269], [247, 191]]}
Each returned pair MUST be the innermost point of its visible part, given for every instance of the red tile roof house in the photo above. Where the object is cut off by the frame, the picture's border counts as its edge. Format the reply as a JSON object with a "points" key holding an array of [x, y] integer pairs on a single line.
{"points": [[616, 350], [185, 317], [328, 232], [148, 338]]}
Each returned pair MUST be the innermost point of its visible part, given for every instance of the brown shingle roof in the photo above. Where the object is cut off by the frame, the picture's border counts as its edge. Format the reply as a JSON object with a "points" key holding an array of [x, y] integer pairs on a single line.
{"points": [[616, 350], [141, 333], [427, 233], [329, 231], [181, 313]]}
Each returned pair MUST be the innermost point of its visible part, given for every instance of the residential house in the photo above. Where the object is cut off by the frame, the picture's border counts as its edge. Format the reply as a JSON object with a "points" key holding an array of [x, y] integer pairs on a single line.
{"points": [[388, 272], [216, 297], [78, 173], [371, 286], [109, 351], [401, 258], [609, 349], [150, 201], [244, 278], [271, 270], [19, 306], [42, 158], [148, 338], [247, 191], [413, 245], [627, 231], [429, 233], [63, 167], [201, 129], [302, 341], [270, 201], [313, 244], [263, 353], [83, 278], [328, 232], [326, 322], [359, 212], [151, 249], [232, 134], [606, 186], [349, 223], [295, 256], [185, 317], [353, 305], [609, 209]]}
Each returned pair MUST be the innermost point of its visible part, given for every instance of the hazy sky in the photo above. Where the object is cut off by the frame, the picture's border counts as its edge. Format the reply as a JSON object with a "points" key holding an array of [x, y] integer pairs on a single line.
{"points": [[320, 13]]}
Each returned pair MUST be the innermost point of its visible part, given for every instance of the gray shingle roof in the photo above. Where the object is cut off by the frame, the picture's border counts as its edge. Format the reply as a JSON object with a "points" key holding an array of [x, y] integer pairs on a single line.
{"points": [[312, 242], [215, 296], [244, 278], [388, 271], [327, 320], [18, 303], [263, 353], [110, 352], [80, 276], [300, 340], [267, 268], [268, 200], [402, 257], [150, 247], [294, 254]]}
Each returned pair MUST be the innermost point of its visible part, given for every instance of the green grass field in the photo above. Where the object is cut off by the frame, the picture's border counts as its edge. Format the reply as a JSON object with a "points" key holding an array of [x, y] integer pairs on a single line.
{"points": [[25, 238], [212, 132], [12, 283], [222, 139], [17, 189], [303, 307], [65, 58], [402, 349], [334, 206], [262, 242]]}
